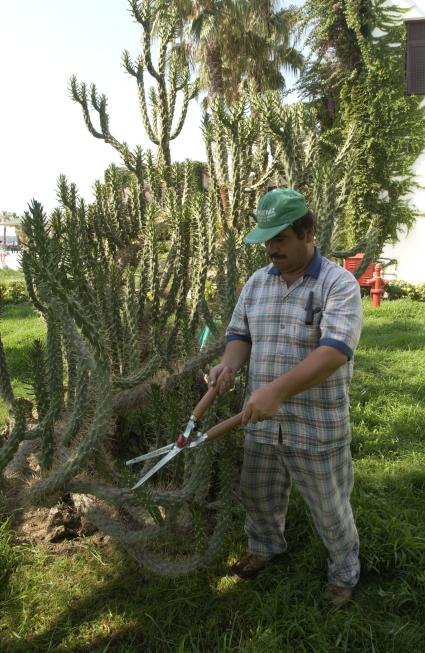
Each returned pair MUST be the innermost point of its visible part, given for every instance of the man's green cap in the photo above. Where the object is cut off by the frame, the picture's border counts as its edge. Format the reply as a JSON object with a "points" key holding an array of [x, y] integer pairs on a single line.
{"points": [[276, 211]]}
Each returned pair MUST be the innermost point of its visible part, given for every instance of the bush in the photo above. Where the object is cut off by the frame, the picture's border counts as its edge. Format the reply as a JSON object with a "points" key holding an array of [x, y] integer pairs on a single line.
{"points": [[13, 292], [399, 289]]}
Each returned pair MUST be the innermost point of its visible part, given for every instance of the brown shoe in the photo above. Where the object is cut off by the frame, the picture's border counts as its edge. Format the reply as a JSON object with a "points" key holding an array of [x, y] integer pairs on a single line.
{"points": [[248, 566], [338, 596]]}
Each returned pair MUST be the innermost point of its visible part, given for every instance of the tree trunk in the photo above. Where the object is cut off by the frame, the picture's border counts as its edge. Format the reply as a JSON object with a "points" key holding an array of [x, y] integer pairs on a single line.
{"points": [[215, 72]]}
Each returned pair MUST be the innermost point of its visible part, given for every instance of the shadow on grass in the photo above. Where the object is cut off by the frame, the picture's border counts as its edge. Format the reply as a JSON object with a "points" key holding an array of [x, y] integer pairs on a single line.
{"points": [[208, 611], [216, 614], [124, 641], [63, 633], [281, 610]]}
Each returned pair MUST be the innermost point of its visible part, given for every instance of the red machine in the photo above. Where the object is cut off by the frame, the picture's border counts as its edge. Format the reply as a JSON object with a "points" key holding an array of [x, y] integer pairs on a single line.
{"points": [[353, 262], [371, 278]]}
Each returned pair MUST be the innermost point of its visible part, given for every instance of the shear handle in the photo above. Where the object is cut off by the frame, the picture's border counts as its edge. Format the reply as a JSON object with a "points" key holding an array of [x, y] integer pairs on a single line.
{"points": [[205, 402], [223, 427]]}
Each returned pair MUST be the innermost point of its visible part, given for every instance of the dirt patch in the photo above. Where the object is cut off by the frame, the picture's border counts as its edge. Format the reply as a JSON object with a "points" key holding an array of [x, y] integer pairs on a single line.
{"points": [[61, 528]]}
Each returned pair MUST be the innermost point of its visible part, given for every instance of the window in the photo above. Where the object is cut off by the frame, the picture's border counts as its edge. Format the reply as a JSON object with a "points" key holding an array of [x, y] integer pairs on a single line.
{"points": [[415, 57]]}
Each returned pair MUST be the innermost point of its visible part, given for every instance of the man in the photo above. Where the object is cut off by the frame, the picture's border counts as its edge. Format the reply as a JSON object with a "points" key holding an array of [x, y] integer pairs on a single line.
{"points": [[297, 322]]}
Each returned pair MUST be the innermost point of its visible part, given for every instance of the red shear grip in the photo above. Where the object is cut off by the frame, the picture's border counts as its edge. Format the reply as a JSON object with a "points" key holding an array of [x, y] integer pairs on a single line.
{"points": [[182, 441]]}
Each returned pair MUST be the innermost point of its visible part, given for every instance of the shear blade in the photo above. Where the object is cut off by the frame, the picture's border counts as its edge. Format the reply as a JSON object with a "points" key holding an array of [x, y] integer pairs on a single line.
{"points": [[150, 454], [200, 439], [158, 466]]}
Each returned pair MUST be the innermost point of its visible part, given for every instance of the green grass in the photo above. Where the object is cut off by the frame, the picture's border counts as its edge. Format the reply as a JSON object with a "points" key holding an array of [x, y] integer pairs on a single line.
{"points": [[11, 275], [20, 325], [96, 599]]}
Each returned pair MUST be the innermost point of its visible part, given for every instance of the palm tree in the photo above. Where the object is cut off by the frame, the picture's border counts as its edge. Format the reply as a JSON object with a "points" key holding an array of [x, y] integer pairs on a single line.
{"points": [[233, 40]]}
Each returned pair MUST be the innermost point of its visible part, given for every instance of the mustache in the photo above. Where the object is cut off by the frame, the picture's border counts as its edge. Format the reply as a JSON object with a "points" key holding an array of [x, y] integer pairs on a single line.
{"points": [[277, 256]]}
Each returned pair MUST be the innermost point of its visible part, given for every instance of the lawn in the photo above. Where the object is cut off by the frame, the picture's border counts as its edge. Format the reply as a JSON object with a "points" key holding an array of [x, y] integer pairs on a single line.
{"points": [[7, 275], [89, 597], [20, 325]]}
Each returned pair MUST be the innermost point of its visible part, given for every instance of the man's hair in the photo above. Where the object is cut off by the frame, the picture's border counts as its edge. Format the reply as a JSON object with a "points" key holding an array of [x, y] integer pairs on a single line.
{"points": [[303, 224]]}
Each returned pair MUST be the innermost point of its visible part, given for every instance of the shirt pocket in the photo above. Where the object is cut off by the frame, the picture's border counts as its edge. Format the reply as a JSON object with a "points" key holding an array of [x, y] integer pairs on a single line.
{"points": [[303, 338]]}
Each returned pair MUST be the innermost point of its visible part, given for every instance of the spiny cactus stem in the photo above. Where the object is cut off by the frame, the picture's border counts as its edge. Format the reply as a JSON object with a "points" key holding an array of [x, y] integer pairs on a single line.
{"points": [[10, 446], [6, 391], [183, 113], [128, 400], [143, 106], [99, 428], [79, 94]]}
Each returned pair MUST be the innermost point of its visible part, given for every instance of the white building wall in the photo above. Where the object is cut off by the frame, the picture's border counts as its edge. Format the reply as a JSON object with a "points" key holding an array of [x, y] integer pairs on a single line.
{"points": [[410, 250]]}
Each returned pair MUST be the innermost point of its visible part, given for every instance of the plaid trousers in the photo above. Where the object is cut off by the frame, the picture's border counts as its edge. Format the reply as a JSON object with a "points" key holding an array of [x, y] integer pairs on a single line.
{"points": [[324, 479]]}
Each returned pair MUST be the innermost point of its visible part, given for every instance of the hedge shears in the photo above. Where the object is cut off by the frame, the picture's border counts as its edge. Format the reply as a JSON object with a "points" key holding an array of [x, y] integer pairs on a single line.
{"points": [[188, 439]]}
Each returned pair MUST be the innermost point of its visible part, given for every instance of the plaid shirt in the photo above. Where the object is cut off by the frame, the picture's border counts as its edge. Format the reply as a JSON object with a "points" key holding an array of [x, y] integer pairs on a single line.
{"points": [[272, 318]]}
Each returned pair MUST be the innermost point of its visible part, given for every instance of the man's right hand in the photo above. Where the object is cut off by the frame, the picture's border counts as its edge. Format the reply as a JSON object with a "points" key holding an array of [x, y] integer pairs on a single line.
{"points": [[221, 376]]}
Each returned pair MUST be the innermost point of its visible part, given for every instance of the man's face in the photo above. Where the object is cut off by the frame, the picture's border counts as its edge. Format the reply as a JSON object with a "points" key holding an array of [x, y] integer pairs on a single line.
{"points": [[288, 252]]}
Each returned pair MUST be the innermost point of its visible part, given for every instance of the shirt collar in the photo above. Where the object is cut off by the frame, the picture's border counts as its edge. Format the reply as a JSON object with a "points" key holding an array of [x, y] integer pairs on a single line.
{"points": [[313, 269]]}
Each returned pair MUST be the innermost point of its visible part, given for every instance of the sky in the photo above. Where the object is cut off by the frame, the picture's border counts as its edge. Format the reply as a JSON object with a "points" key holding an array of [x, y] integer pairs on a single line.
{"points": [[42, 132]]}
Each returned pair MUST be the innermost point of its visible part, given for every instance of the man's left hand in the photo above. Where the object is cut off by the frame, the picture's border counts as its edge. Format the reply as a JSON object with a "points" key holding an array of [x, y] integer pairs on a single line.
{"points": [[262, 404]]}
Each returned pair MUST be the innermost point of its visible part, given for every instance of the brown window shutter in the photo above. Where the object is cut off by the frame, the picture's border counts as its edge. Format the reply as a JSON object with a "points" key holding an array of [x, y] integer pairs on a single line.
{"points": [[415, 57]]}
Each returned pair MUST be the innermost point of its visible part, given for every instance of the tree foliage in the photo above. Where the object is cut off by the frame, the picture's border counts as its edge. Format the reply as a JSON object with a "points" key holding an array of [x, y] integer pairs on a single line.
{"points": [[233, 40], [355, 79]]}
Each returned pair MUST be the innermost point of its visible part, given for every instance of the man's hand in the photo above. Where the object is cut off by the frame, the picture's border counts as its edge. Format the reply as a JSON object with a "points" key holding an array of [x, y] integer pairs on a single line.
{"points": [[223, 377], [262, 404]]}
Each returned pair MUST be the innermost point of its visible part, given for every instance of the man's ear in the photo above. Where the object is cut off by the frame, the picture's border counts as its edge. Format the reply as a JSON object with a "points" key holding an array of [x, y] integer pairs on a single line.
{"points": [[309, 235]]}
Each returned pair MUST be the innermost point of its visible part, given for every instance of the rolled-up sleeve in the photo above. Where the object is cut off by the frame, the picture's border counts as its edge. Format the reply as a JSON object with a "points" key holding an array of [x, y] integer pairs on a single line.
{"points": [[342, 315], [238, 328]]}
